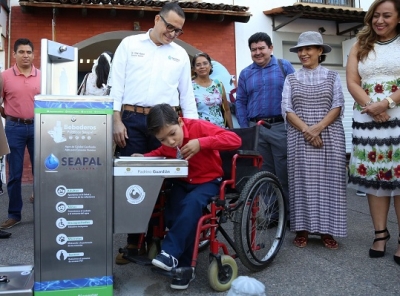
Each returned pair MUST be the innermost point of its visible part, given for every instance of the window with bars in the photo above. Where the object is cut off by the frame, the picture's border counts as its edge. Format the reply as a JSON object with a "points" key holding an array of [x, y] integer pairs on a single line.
{"points": [[349, 3]]}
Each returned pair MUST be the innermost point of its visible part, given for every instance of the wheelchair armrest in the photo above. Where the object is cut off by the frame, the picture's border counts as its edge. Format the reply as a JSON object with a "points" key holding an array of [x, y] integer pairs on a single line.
{"points": [[248, 152]]}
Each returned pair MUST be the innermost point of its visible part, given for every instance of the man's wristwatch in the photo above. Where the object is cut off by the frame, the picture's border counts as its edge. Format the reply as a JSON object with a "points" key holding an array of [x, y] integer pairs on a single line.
{"points": [[392, 104]]}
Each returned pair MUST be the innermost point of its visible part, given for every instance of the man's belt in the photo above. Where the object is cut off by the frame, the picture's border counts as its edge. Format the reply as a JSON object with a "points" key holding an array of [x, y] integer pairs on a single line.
{"points": [[273, 119], [138, 109], [19, 120]]}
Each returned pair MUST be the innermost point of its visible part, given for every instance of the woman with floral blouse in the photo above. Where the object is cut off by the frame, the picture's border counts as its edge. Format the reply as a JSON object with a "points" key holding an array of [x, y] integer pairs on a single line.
{"points": [[373, 79], [212, 104]]}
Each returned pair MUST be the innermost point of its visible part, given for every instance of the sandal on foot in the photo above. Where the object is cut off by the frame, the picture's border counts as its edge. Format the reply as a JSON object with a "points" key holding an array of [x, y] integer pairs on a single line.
{"points": [[329, 242], [301, 239]]}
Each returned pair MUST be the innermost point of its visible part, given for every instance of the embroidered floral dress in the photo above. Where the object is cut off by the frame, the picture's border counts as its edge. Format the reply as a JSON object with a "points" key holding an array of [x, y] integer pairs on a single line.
{"points": [[209, 101], [375, 160]]}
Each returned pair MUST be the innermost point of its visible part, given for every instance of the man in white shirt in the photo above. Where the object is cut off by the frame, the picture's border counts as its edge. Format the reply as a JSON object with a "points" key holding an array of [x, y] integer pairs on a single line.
{"points": [[149, 69]]}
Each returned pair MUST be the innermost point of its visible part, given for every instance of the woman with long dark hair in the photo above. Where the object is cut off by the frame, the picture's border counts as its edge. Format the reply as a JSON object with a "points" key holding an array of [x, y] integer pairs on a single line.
{"points": [[95, 82]]}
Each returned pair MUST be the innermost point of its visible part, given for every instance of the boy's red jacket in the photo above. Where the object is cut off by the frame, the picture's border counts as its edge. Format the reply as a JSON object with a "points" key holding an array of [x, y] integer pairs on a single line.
{"points": [[206, 165]]}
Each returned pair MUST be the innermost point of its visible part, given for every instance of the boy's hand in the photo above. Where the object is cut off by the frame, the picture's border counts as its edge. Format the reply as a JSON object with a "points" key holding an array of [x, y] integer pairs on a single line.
{"points": [[190, 149], [137, 155]]}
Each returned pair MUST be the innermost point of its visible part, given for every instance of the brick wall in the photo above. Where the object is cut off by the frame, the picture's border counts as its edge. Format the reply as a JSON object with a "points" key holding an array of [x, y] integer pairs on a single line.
{"points": [[215, 38]]}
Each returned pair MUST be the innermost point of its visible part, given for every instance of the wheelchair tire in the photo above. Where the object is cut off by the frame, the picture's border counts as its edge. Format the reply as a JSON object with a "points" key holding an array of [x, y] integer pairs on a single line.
{"points": [[261, 224], [222, 282]]}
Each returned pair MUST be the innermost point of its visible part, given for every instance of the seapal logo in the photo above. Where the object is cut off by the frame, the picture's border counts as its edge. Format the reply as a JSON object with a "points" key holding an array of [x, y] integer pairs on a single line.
{"points": [[135, 194], [81, 163], [51, 162]]}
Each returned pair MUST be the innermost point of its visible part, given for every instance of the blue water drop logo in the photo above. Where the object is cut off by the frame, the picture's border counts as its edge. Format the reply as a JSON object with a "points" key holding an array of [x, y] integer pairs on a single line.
{"points": [[51, 162]]}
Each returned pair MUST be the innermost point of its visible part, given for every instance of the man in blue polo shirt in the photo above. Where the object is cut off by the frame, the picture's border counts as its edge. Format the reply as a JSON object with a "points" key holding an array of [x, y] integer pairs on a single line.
{"points": [[259, 96]]}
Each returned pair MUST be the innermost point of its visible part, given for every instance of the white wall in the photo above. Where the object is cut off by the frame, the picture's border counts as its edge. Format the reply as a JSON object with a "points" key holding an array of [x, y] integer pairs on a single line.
{"points": [[287, 36], [262, 23]]}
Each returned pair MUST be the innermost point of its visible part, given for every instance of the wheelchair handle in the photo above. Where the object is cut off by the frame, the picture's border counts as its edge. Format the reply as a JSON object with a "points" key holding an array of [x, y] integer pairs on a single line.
{"points": [[264, 124]]}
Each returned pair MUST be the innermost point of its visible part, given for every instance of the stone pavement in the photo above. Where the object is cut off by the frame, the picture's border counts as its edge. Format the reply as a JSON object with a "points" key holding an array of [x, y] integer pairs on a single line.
{"points": [[313, 270]]}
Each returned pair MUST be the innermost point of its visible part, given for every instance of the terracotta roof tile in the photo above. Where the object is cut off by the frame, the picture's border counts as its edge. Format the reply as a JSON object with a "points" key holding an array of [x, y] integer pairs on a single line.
{"points": [[234, 12]]}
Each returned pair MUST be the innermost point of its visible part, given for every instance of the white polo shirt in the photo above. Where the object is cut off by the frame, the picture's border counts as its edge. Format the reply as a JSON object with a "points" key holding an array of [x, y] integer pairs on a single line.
{"points": [[145, 74]]}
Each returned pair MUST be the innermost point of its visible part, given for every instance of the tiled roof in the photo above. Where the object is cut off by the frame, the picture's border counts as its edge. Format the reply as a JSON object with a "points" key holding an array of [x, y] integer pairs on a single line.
{"points": [[233, 12], [320, 12]]}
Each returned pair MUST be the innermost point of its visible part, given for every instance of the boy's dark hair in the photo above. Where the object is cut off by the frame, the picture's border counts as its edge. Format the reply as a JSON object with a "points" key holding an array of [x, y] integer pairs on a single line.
{"points": [[259, 37], [171, 6], [22, 41], [103, 68], [161, 115]]}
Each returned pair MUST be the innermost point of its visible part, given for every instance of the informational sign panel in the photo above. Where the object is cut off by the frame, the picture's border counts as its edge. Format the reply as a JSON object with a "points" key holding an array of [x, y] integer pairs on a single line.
{"points": [[73, 183], [137, 184]]}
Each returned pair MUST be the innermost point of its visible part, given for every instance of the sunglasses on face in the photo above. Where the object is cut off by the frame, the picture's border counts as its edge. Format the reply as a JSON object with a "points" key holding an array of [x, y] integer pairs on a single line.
{"points": [[171, 28]]}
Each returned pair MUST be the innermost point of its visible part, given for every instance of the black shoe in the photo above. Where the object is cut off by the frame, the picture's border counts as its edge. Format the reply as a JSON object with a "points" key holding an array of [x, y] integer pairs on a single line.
{"points": [[4, 234], [397, 258], [179, 284], [375, 253]]}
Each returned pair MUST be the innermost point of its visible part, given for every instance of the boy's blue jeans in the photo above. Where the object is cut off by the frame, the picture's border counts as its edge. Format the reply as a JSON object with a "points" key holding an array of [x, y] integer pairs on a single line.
{"points": [[184, 208]]}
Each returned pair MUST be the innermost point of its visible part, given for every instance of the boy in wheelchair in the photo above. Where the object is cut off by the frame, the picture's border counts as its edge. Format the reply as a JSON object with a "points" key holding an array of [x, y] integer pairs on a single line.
{"points": [[198, 142]]}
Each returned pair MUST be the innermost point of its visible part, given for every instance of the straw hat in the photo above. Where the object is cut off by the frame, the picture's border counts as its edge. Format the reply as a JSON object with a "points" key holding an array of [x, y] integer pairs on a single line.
{"points": [[311, 38]]}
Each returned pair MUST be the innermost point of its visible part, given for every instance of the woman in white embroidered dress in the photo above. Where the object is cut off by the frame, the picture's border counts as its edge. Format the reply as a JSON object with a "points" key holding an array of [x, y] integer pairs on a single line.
{"points": [[373, 79]]}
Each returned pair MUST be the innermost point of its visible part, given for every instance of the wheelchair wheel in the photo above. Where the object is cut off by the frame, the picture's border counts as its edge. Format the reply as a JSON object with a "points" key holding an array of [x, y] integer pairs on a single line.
{"points": [[261, 221], [221, 281]]}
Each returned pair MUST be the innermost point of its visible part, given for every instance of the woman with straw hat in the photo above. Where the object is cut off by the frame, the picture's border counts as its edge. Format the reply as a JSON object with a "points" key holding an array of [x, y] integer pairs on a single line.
{"points": [[312, 105]]}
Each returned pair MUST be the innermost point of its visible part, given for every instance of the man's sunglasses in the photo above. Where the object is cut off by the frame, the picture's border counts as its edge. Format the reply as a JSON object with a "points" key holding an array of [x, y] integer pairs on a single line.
{"points": [[171, 28]]}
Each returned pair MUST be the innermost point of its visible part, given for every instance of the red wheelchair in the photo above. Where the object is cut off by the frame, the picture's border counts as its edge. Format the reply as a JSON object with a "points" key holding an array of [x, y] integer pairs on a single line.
{"points": [[251, 199]]}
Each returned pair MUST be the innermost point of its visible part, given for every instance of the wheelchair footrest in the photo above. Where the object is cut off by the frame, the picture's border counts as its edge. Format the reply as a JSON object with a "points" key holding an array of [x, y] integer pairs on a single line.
{"points": [[141, 260], [177, 273]]}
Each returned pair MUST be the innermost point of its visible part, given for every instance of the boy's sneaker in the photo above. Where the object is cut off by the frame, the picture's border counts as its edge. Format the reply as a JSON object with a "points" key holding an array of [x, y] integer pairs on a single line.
{"points": [[165, 261], [361, 193]]}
